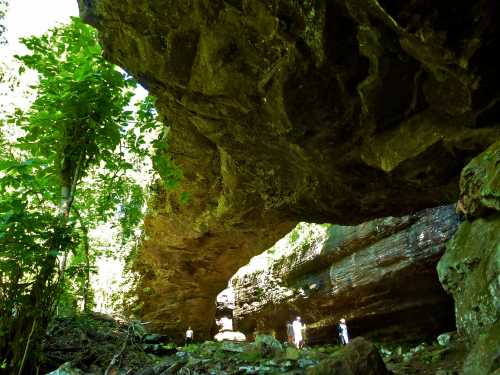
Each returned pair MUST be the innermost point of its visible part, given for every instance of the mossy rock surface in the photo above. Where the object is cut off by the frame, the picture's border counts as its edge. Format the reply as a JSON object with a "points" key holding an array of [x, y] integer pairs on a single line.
{"points": [[480, 183], [470, 267], [484, 358], [470, 271]]}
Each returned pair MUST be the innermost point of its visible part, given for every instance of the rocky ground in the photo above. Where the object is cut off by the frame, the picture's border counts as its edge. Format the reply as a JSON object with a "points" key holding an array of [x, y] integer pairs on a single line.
{"points": [[89, 343], [438, 358], [99, 345]]}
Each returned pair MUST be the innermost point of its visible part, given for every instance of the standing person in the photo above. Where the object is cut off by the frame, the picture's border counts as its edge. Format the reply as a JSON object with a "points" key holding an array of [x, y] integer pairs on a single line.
{"points": [[189, 335], [297, 327], [289, 332], [342, 332]]}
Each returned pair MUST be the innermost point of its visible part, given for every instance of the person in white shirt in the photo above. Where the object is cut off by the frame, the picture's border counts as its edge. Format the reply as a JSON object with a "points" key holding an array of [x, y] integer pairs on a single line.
{"points": [[342, 332], [189, 335], [297, 327]]}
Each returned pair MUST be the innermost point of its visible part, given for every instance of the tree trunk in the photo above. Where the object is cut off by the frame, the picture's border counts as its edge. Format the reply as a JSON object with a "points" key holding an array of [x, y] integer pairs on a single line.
{"points": [[86, 285], [31, 323], [67, 196]]}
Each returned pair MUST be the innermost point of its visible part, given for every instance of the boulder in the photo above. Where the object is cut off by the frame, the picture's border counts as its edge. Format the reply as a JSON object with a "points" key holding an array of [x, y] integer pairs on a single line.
{"points": [[268, 345], [359, 357], [470, 271], [444, 338], [66, 369], [230, 336], [480, 184]]}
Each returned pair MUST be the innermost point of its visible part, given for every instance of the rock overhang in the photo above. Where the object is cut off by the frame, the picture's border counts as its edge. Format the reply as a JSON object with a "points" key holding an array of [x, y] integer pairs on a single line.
{"points": [[329, 111]]}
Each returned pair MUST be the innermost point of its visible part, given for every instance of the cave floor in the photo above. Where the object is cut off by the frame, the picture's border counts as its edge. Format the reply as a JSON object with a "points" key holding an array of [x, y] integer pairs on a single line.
{"points": [[89, 345]]}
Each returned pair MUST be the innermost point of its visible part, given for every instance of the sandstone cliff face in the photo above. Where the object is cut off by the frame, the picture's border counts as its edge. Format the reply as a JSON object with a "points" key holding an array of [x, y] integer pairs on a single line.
{"points": [[379, 275], [325, 111], [470, 268]]}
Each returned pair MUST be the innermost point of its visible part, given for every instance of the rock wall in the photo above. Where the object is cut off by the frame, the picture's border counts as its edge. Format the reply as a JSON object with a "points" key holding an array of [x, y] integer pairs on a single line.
{"points": [[379, 275], [281, 111], [470, 268]]}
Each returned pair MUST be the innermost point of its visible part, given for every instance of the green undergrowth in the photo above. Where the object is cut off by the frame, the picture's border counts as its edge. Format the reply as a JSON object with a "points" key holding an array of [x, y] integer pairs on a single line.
{"points": [[264, 356]]}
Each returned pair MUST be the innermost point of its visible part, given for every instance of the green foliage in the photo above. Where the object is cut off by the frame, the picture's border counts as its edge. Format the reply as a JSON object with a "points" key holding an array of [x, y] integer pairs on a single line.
{"points": [[169, 173], [147, 124], [71, 170], [76, 118], [131, 210], [32, 237], [252, 355], [70, 173], [169, 345]]}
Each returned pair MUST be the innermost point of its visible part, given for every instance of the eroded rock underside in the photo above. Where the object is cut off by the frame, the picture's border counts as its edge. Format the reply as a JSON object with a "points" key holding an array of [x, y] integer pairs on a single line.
{"points": [[379, 275], [323, 111]]}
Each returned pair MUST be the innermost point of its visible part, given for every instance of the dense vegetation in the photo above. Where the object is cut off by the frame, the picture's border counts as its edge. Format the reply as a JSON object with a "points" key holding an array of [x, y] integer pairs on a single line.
{"points": [[67, 164]]}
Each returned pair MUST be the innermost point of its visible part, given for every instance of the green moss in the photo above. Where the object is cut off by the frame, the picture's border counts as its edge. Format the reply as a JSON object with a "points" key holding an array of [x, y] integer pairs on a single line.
{"points": [[480, 183], [470, 267], [259, 292], [470, 270], [314, 19], [484, 358], [294, 236]]}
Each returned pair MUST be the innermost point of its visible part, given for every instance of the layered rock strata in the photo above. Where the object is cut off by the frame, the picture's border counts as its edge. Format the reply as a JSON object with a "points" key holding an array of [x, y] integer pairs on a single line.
{"points": [[470, 268], [281, 111], [379, 275]]}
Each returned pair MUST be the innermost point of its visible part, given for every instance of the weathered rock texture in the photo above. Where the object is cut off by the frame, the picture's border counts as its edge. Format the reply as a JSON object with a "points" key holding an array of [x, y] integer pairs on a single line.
{"points": [[180, 278], [280, 111], [379, 275], [470, 268]]}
